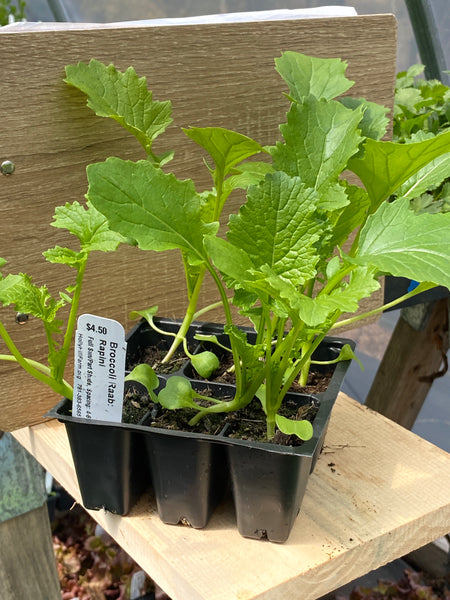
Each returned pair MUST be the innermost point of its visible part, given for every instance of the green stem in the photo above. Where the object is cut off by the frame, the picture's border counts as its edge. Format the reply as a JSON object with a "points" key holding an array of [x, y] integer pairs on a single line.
{"points": [[188, 317], [40, 367], [281, 354], [206, 309], [36, 370], [299, 365], [270, 427], [229, 321], [306, 366], [422, 287], [336, 279], [71, 322]]}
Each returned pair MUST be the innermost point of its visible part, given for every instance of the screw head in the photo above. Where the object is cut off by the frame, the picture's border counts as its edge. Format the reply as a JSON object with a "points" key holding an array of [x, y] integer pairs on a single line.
{"points": [[21, 318], [7, 167]]}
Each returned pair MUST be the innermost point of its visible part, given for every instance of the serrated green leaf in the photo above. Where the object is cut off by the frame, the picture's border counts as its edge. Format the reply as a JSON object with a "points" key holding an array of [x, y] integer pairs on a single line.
{"points": [[29, 298], [208, 202], [67, 299], [362, 283], [122, 96], [445, 197], [315, 311], [88, 225], [158, 210], [386, 165], [302, 429], [320, 137], [308, 75], [227, 148], [278, 226], [374, 122], [250, 354], [406, 78], [408, 99], [332, 197], [64, 256], [401, 243], [427, 203]]}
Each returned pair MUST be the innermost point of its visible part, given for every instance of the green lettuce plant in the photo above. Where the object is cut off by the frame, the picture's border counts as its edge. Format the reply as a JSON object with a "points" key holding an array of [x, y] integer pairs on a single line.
{"points": [[422, 111], [305, 247], [29, 299]]}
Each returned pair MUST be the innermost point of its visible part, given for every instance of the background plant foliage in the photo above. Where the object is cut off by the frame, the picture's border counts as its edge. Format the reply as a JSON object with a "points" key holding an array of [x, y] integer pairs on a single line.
{"points": [[422, 111], [10, 7]]}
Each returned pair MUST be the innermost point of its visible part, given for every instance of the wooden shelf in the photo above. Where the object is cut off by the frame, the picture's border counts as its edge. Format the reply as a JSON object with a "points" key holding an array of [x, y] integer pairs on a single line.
{"points": [[377, 493]]}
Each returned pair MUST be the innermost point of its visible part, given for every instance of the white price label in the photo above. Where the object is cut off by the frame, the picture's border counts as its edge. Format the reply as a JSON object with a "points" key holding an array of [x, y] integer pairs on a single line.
{"points": [[100, 351]]}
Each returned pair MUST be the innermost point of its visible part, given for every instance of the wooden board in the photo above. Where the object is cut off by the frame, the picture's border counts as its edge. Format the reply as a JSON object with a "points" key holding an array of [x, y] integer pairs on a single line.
{"points": [[218, 75], [378, 492], [27, 560]]}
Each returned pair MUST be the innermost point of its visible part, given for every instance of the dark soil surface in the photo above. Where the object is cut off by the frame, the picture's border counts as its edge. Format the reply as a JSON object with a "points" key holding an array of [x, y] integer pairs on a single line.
{"points": [[248, 423]]}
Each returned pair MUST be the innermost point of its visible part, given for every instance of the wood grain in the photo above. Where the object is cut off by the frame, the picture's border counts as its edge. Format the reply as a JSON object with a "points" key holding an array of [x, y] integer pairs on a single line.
{"points": [[27, 560], [378, 492], [219, 75], [411, 362]]}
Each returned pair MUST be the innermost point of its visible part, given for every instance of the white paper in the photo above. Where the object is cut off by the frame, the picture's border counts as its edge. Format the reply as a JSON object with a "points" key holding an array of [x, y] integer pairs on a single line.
{"points": [[238, 17], [100, 351]]}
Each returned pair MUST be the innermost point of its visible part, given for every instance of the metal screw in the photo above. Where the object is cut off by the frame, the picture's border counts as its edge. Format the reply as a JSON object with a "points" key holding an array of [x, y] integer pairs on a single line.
{"points": [[7, 167], [21, 318]]}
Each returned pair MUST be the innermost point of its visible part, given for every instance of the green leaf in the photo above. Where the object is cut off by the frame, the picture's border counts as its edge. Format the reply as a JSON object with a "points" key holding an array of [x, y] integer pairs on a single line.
{"points": [[28, 298], [315, 311], [177, 393], [361, 284], [64, 256], [401, 243], [156, 209], [345, 298], [247, 174], [205, 363], [308, 75], [320, 137], [278, 226], [147, 313], [122, 96], [332, 197], [351, 216], [226, 147], [249, 354], [234, 263], [386, 165], [267, 283], [406, 78], [428, 178], [346, 353], [88, 225], [302, 429], [374, 122], [333, 266], [146, 376]]}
